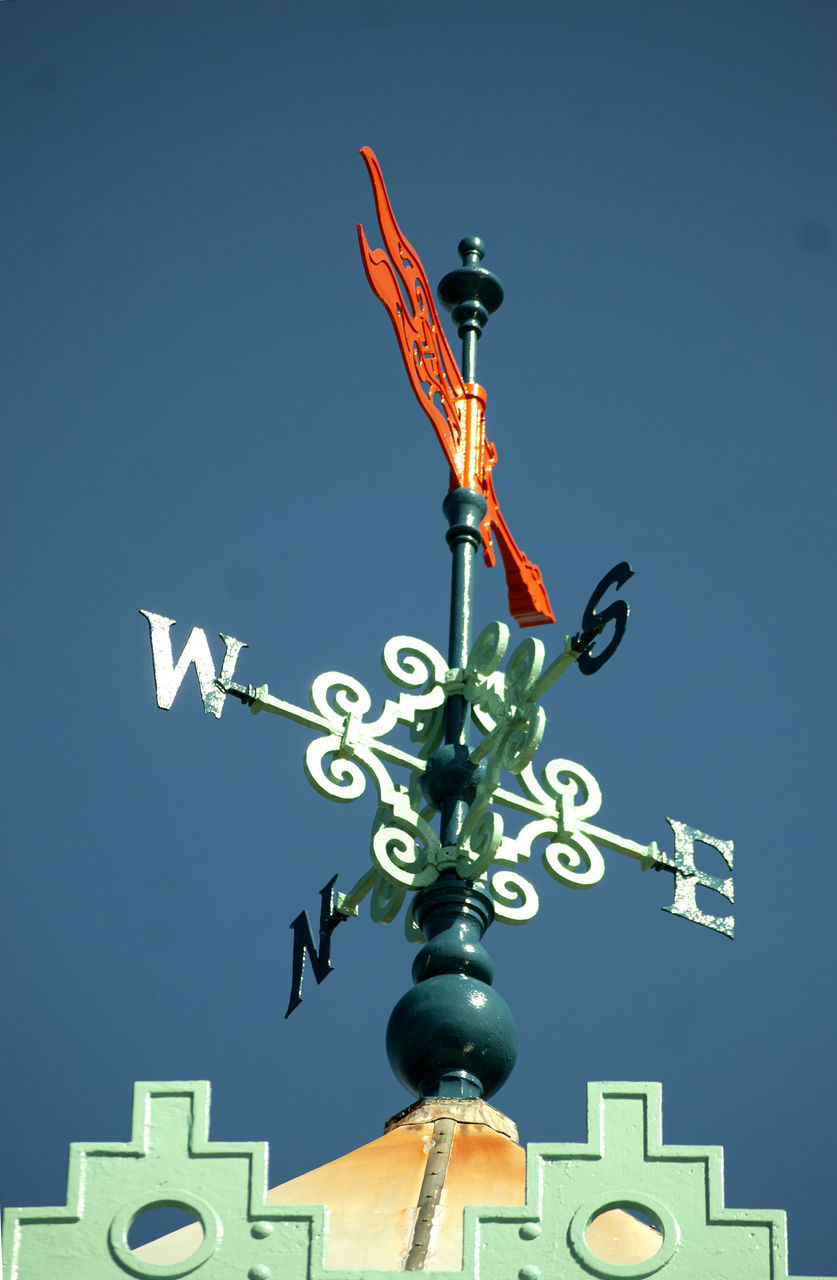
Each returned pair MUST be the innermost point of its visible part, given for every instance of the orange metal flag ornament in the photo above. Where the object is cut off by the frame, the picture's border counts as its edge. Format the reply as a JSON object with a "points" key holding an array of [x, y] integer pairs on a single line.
{"points": [[456, 408]]}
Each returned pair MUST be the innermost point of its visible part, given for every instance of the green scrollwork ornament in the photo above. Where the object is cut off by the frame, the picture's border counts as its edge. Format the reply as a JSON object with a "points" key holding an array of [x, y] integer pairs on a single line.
{"points": [[558, 802]]}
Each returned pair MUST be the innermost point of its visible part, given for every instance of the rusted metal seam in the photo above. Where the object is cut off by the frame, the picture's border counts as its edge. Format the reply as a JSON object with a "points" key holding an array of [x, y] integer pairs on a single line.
{"points": [[462, 1110], [430, 1195]]}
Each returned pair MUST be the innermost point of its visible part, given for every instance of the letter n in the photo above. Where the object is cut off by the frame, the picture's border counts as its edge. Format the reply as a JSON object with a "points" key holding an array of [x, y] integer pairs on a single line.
{"points": [[304, 941], [169, 677]]}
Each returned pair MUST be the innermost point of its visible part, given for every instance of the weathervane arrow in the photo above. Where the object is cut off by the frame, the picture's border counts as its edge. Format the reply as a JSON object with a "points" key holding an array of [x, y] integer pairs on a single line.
{"points": [[396, 276]]}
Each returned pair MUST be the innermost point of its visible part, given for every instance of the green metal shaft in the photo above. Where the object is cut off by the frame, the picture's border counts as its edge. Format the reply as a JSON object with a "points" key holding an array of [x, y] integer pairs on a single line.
{"points": [[464, 509]]}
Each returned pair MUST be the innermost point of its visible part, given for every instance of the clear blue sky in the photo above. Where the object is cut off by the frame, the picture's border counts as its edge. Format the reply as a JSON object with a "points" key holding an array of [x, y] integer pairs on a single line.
{"points": [[206, 416]]}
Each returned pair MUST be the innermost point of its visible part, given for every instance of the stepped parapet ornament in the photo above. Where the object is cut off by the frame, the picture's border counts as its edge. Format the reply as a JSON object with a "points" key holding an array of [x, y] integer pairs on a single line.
{"points": [[548, 1229]]}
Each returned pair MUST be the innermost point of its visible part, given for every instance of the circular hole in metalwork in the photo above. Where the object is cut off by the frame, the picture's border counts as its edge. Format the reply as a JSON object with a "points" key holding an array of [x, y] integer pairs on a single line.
{"points": [[169, 1256], [627, 1236], [624, 1235], [163, 1220]]}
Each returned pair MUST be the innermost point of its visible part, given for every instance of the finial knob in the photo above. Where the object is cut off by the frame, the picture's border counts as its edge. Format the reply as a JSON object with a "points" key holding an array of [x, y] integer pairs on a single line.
{"points": [[471, 250], [470, 294]]}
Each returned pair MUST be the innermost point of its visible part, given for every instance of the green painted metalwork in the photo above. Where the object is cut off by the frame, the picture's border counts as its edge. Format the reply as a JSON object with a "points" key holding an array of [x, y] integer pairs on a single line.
{"points": [[439, 700], [452, 1035], [464, 509], [471, 294], [406, 852], [624, 1164], [170, 1160]]}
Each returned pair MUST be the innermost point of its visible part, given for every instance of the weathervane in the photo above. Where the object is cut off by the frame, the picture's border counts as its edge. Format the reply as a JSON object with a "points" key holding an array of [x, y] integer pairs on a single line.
{"points": [[448, 1035], [558, 1208]]}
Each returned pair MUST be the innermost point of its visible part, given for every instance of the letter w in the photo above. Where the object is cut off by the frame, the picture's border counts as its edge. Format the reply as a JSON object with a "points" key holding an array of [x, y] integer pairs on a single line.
{"points": [[169, 677]]}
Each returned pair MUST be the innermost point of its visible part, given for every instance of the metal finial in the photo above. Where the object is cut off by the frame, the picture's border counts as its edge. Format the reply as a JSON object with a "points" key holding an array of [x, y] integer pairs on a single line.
{"points": [[452, 1035], [470, 294]]}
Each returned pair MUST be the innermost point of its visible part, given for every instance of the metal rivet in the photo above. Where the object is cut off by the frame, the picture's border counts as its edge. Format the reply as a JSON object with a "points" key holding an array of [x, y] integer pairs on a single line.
{"points": [[530, 1231], [261, 1229]]}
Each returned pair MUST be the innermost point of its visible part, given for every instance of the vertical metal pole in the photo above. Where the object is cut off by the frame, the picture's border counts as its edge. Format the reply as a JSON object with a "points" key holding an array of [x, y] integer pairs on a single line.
{"points": [[455, 1039], [464, 509], [469, 354], [471, 293]]}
